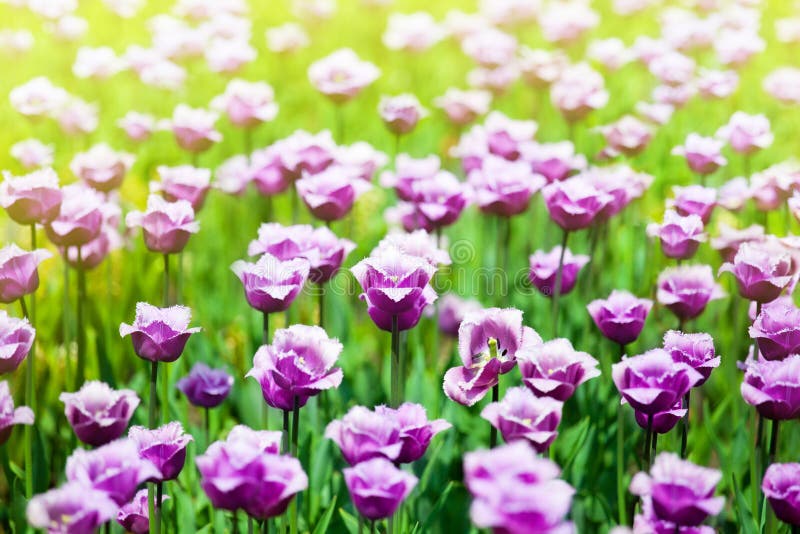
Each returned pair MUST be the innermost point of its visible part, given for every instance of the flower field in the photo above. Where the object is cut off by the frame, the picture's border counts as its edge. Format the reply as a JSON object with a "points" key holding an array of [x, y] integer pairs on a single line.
{"points": [[307, 266]]}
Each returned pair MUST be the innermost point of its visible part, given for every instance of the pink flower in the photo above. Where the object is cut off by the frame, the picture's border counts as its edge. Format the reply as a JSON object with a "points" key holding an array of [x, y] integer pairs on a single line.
{"points": [[717, 83], [361, 158], [555, 161], [680, 236], [33, 198], [101, 167], [16, 338], [673, 68], [627, 136], [694, 200], [80, 218], [341, 76], [574, 203], [228, 56], [414, 32], [97, 63], [32, 153], [747, 133], [784, 84], [463, 107], [286, 38], [271, 285], [566, 22], [611, 53], [504, 187], [37, 98], [194, 128], [736, 47], [555, 369], [138, 126], [490, 47], [330, 194], [762, 270], [401, 113], [247, 104], [540, 68], [166, 226], [233, 175], [183, 182], [578, 91]]}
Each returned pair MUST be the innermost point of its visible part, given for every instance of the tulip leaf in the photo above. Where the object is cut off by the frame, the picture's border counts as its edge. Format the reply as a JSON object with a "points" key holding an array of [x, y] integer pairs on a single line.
{"points": [[322, 525], [350, 521]]}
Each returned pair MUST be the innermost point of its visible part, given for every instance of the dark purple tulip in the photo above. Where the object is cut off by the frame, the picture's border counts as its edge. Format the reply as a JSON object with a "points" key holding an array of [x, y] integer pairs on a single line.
{"points": [[363, 434], [231, 470], [437, 202], [695, 350], [280, 478], [10, 416], [555, 369], [377, 487], [575, 203], [72, 508], [205, 387], [296, 366], [19, 274], [33, 198], [773, 387], [523, 416], [762, 270], [271, 285], [777, 329], [502, 187], [514, 490], [159, 334], [686, 290], [322, 248], [134, 516], [780, 486], [416, 431], [80, 218], [452, 310], [663, 422], [97, 413], [267, 172], [652, 382], [544, 270], [303, 152], [16, 338], [395, 284], [554, 161], [166, 226], [164, 447], [330, 194], [680, 491], [468, 385], [410, 172], [680, 236], [621, 316], [115, 469], [694, 200]]}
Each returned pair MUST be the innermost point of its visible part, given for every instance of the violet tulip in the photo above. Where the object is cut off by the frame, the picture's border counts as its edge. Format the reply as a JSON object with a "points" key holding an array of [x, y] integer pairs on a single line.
{"points": [[679, 236], [574, 203], [504, 187], [686, 290], [271, 285], [555, 369], [544, 270], [416, 431], [205, 387], [773, 387], [164, 447], [363, 434], [134, 516], [521, 415], [695, 350], [329, 195], [10, 416], [72, 508], [32, 198], [662, 422], [19, 274], [783, 492], [159, 334], [183, 182], [166, 226], [621, 316], [703, 154], [377, 487], [97, 413], [777, 329], [762, 270]]}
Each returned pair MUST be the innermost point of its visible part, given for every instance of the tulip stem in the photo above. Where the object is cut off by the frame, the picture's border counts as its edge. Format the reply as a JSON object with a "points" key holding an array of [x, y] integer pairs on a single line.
{"points": [[285, 437], [159, 499], [265, 329], [654, 447], [621, 466], [295, 203], [28, 402], [557, 288], [154, 519], [249, 525], [207, 425], [773, 441], [492, 428], [755, 470], [339, 124], [687, 400], [295, 434], [647, 437], [81, 372], [395, 363], [166, 280], [321, 305]]}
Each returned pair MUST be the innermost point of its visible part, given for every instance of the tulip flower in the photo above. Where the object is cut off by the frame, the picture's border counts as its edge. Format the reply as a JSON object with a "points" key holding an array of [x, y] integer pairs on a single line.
{"points": [[183, 182], [193, 128], [773, 387], [377, 487], [247, 104], [416, 431], [16, 339], [10, 416], [680, 236], [544, 270], [401, 113], [330, 194], [521, 415], [19, 275], [341, 76], [503, 187], [555, 369], [159, 334], [80, 218], [777, 330], [703, 154], [686, 290], [71, 508], [664, 421], [205, 387], [271, 285], [32, 198], [762, 271], [747, 133], [621, 316], [452, 310], [362, 434], [134, 516], [97, 413], [32, 153], [164, 447], [783, 494], [101, 167], [463, 107]]}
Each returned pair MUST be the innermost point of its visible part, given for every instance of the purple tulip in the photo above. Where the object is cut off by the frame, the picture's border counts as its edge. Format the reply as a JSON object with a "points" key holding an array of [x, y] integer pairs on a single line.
{"points": [[10, 416], [621, 316], [409, 172], [296, 366], [503, 187], [330, 194], [97, 413], [514, 490], [680, 492], [437, 202], [680, 236], [80, 218], [101, 167], [555, 369], [401, 113], [773, 387], [72, 508], [19, 275], [762, 270], [266, 171], [164, 447], [395, 284], [694, 200], [16, 338], [747, 134], [33, 198], [554, 161], [205, 387], [579, 89], [544, 270], [183, 182], [416, 431], [362, 434], [134, 516], [341, 76], [730, 239], [115, 469], [463, 107], [777, 329], [452, 310], [166, 225], [664, 421], [627, 136], [419, 244], [193, 128], [703, 154], [574, 203], [695, 350], [521, 415], [159, 334], [95, 251], [652, 382], [247, 104], [321, 247], [362, 158], [271, 285], [780, 486], [281, 478], [377, 487], [303, 152], [686, 290]]}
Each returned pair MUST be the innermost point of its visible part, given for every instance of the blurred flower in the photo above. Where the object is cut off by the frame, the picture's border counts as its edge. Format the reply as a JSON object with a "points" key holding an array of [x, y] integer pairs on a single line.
{"points": [[523, 416], [341, 76], [672, 68], [286, 38], [566, 22], [409, 172], [679, 236], [76, 117], [773, 387], [504, 187], [416, 431], [32, 153], [247, 104], [10, 416], [419, 243], [627, 136], [271, 285], [452, 310], [414, 32], [205, 387], [555, 161], [19, 274], [101, 167], [330, 194], [621, 316], [234, 175], [611, 53], [717, 83], [37, 98], [115, 469], [71, 508], [540, 68], [193, 128], [490, 47], [16, 338], [80, 217], [662, 422], [183, 182], [159, 334], [401, 113], [695, 350], [733, 194], [574, 204], [653, 382], [762, 270], [97, 63], [555, 369], [686, 290], [164, 447], [138, 126], [362, 158], [377, 487], [544, 270], [228, 56], [97, 413], [578, 91], [777, 329], [747, 133], [436, 202], [657, 112], [166, 226], [134, 516], [463, 107], [730, 239], [362, 434], [783, 84], [694, 200], [736, 47], [782, 491], [703, 154], [69, 27]]}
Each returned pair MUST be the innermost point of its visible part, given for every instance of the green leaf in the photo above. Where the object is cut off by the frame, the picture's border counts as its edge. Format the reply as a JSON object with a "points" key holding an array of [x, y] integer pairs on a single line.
{"points": [[437, 507], [322, 525], [350, 521]]}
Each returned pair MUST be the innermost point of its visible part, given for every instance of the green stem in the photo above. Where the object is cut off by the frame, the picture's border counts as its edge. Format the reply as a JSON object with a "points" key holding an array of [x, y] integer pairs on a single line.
{"points": [[295, 435], [165, 294], [321, 305], [492, 428], [557, 287], [207, 426], [687, 400], [285, 437], [159, 499], [623, 520], [155, 520], [179, 283], [81, 372], [773, 442], [395, 364], [29, 401], [647, 437], [249, 525]]}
